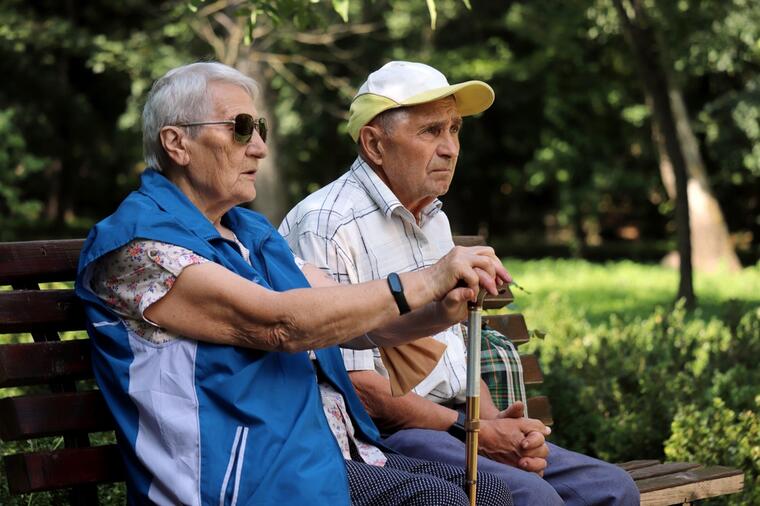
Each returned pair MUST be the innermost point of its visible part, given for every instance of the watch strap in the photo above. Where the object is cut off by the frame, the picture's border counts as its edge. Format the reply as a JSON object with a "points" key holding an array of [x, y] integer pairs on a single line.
{"points": [[397, 290], [458, 429]]}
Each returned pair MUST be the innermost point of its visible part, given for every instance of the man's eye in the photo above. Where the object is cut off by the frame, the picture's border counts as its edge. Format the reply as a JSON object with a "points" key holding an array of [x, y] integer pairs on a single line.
{"points": [[455, 129], [435, 130]]}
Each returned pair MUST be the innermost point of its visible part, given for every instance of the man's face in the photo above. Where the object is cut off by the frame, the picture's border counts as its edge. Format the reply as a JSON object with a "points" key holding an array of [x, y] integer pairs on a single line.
{"points": [[223, 170], [420, 152]]}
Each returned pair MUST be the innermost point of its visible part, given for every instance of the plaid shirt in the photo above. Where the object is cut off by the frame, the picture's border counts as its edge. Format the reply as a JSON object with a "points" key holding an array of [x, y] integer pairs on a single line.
{"points": [[357, 230]]}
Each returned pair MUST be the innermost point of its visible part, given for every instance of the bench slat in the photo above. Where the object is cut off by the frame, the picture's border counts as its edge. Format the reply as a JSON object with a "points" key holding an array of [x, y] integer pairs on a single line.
{"points": [[539, 407], [686, 477], [37, 363], [36, 472], [39, 261], [532, 374], [511, 325], [690, 486], [469, 240], [662, 470], [40, 311], [637, 464], [33, 416], [504, 298]]}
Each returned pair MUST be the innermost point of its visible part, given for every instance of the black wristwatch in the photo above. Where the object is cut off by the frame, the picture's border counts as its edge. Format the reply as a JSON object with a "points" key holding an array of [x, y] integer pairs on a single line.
{"points": [[397, 290], [457, 429]]}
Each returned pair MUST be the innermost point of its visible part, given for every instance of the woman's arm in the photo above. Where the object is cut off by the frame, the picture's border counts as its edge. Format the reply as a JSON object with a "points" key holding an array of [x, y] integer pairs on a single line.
{"points": [[211, 303]]}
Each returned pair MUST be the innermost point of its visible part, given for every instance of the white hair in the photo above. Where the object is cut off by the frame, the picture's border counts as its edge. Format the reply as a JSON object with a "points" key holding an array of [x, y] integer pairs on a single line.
{"points": [[181, 96]]}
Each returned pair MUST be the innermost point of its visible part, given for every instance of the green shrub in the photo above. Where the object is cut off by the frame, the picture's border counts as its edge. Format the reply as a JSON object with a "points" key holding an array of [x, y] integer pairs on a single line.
{"points": [[627, 382], [718, 435]]}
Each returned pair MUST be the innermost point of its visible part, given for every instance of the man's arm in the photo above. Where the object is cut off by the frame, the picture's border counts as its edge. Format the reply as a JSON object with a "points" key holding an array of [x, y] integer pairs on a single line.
{"points": [[394, 413], [513, 440]]}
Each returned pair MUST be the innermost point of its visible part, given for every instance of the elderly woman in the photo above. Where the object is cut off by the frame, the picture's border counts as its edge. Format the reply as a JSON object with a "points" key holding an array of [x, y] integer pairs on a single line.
{"points": [[202, 323]]}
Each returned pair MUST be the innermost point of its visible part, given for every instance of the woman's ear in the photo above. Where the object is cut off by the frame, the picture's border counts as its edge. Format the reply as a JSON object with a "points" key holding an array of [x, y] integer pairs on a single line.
{"points": [[173, 140], [371, 143]]}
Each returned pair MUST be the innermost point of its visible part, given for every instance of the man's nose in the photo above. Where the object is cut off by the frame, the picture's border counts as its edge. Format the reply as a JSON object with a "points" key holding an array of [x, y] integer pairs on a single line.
{"points": [[449, 146], [256, 147]]}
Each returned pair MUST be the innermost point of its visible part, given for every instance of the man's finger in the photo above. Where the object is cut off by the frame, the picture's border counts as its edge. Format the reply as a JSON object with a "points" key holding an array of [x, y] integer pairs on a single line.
{"points": [[514, 410], [531, 424], [532, 464], [532, 441]]}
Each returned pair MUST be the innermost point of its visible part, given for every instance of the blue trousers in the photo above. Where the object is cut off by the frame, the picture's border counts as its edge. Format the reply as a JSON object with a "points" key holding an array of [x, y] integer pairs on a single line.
{"points": [[570, 478]]}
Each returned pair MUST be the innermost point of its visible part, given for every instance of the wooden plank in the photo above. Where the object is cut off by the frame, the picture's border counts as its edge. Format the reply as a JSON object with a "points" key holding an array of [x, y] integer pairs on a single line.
{"points": [[511, 325], [504, 298], [40, 311], [686, 477], [35, 472], [662, 470], [539, 407], [33, 416], [637, 464], [469, 240], [690, 486], [532, 374], [36, 363], [39, 261]]}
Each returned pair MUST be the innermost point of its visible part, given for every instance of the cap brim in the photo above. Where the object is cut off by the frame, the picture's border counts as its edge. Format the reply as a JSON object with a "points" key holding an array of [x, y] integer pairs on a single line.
{"points": [[472, 97]]}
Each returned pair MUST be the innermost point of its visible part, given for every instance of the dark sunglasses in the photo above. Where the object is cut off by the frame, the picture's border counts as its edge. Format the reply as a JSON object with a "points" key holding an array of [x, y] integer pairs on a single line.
{"points": [[244, 126]]}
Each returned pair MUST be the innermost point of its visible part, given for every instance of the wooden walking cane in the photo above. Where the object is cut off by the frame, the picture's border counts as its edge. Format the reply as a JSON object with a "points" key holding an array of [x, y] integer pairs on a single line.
{"points": [[472, 413]]}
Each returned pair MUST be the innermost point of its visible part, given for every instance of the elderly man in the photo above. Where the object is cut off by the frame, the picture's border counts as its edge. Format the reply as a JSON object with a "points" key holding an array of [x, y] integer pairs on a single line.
{"points": [[383, 216], [215, 348]]}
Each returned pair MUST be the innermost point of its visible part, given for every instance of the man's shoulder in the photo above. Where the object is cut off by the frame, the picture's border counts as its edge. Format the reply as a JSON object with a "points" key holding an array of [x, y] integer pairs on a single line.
{"points": [[328, 208]]}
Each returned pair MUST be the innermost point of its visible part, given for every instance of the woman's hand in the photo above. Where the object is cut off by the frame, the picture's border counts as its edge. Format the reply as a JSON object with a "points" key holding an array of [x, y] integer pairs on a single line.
{"points": [[460, 274]]}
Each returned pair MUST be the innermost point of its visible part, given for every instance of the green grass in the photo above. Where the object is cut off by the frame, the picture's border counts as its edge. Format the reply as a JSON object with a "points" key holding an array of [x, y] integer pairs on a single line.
{"points": [[623, 288]]}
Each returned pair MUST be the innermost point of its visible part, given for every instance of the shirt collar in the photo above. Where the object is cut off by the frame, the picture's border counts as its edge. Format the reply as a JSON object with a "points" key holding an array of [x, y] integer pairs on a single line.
{"points": [[384, 198], [171, 199]]}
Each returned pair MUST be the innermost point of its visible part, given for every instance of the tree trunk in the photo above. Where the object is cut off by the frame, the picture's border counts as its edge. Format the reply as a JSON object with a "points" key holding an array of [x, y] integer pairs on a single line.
{"points": [[648, 56], [271, 197], [223, 30], [710, 240]]}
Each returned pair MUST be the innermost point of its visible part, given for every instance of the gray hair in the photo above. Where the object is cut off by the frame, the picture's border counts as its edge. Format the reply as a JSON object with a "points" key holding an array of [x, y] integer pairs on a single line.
{"points": [[387, 119], [181, 96]]}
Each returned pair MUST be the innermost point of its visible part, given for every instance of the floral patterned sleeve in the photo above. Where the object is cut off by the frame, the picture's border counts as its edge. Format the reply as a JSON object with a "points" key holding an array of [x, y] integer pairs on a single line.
{"points": [[137, 275]]}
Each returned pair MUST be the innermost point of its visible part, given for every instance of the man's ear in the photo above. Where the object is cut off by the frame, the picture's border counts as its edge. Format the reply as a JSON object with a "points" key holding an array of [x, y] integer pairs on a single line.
{"points": [[173, 140], [370, 142]]}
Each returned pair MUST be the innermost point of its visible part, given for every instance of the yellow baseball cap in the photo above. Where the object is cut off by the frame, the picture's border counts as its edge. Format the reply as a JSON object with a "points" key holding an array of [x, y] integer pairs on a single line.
{"points": [[403, 83]]}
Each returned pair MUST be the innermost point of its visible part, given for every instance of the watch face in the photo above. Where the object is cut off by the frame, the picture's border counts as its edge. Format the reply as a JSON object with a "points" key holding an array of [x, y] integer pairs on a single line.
{"points": [[395, 282]]}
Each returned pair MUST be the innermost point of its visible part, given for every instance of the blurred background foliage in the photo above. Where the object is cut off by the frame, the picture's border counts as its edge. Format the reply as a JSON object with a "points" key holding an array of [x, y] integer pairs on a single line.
{"points": [[565, 164], [562, 164]]}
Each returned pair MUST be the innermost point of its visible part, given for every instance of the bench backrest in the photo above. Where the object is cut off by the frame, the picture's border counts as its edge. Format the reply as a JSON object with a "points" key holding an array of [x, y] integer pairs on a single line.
{"points": [[47, 388], [46, 385]]}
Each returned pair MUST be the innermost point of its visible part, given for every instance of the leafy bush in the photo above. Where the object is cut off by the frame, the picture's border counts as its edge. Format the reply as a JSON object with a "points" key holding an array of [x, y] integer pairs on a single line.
{"points": [[660, 385]]}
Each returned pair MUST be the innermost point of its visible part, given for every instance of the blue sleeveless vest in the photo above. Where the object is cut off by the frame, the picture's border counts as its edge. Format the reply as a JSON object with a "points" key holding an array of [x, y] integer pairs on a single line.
{"points": [[200, 423]]}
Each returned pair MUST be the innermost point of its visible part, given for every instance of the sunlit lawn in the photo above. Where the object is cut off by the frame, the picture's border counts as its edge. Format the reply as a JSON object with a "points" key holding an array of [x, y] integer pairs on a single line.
{"points": [[624, 288]]}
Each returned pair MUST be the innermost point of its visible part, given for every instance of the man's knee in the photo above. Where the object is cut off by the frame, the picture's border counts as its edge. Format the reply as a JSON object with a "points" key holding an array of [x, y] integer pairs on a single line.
{"points": [[626, 493], [534, 490]]}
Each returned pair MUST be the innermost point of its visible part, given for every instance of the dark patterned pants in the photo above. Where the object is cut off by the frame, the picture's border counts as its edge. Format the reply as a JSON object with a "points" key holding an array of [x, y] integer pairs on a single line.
{"points": [[413, 482]]}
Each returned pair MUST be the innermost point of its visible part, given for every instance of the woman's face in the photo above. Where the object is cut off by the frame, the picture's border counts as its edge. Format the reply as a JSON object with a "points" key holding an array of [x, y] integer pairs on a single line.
{"points": [[221, 171]]}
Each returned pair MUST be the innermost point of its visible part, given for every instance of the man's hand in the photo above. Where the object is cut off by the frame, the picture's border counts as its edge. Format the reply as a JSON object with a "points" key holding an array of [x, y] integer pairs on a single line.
{"points": [[514, 440]]}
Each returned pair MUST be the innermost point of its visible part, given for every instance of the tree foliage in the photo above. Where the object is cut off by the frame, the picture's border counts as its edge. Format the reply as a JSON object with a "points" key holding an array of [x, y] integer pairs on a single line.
{"points": [[563, 161]]}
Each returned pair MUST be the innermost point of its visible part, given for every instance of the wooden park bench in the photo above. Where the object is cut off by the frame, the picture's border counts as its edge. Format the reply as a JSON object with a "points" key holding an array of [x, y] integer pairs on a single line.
{"points": [[49, 397]]}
